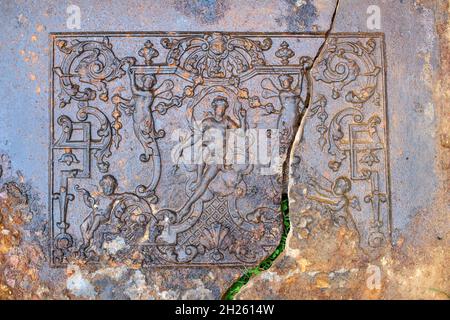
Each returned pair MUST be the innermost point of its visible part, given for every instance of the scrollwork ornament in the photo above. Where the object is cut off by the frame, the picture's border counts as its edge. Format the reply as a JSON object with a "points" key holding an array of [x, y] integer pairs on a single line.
{"points": [[349, 65]]}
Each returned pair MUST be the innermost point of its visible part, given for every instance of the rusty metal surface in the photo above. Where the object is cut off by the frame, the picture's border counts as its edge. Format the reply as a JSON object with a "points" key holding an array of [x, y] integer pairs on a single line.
{"points": [[97, 198]]}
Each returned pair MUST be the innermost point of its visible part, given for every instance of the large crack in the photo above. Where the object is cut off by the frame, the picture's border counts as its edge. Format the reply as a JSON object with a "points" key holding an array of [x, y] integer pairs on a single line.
{"points": [[308, 98], [236, 287]]}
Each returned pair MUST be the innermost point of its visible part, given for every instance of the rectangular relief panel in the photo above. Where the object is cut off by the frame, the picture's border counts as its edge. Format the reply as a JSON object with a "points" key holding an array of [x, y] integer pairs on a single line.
{"points": [[130, 112]]}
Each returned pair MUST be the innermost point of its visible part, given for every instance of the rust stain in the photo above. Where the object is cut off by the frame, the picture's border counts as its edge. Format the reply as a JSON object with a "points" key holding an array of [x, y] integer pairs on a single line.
{"points": [[19, 261]]}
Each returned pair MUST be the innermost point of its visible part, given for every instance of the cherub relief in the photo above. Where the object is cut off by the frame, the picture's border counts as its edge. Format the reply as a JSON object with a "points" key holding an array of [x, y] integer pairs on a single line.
{"points": [[101, 207], [336, 200], [128, 208]]}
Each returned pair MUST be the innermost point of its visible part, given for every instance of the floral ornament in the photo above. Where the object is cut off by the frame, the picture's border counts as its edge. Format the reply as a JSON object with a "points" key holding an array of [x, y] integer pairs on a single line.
{"points": [[148, 53], [370, 158], [284, 53], [319, 109], [216, 239], [68, 158]]}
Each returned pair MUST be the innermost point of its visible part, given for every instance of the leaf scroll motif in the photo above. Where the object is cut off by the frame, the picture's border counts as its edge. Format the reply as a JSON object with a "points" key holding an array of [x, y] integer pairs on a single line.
{"points": [[319, 108], [216, 55], [86, 63], [349, 65], [336, 134]]}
